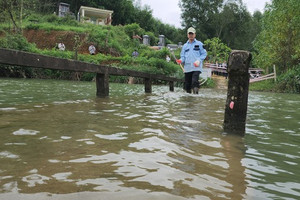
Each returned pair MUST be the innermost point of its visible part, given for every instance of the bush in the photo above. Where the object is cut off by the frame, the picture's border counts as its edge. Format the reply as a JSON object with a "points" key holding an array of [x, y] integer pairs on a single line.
{"points": [[266, 85], [209, 84], [133, 29], [16, 41], [68, 20], [290, 81], [87, 76], [51, 18]]}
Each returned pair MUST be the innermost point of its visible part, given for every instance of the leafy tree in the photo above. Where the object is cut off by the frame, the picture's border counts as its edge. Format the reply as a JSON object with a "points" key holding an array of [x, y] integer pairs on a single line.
{"points": [[200, 14], [233, 26], [217, 51], [14, 11], [279, 41], [228, 20], [144, 18], [11, 10]]}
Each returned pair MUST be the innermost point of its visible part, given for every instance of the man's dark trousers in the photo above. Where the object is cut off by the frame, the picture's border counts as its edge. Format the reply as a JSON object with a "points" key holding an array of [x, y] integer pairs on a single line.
{"points": [[191, 80]]}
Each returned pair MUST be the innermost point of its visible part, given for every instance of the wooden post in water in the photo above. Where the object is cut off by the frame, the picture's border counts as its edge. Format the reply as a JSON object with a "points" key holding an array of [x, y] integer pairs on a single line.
{"points": [[237, 94], [102, 84], [148, 85]]}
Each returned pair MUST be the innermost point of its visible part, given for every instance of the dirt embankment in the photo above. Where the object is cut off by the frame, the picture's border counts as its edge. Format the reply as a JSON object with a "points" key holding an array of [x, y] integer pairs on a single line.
{"points": [[49, 39]]}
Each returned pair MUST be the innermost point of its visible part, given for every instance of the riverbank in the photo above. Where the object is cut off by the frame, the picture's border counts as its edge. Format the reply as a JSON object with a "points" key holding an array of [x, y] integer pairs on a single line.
{"points": [[221, 82]]}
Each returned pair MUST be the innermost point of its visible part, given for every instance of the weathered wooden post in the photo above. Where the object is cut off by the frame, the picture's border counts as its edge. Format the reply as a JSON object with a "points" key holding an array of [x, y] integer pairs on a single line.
{"points": [[102, 84], [171, 85], [148, 85], [237, 94]]}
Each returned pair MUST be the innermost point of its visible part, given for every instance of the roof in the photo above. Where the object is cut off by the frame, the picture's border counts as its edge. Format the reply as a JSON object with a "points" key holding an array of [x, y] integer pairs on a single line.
{"points": [[65, 4], [95, 11]]}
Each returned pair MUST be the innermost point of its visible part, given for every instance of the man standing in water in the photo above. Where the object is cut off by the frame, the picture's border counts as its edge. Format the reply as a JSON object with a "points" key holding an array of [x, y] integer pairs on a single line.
{"points": [[192, 56]]}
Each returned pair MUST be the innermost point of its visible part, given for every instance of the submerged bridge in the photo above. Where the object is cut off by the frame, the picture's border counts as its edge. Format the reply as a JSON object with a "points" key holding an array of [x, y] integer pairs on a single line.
{"points": [[238, 79], [25, 59]]}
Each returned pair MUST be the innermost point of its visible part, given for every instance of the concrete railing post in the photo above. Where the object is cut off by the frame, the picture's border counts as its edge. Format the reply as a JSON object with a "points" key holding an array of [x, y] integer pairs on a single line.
{"points": [[148, 85], [171, 86], [102, 84], [237, 94]]}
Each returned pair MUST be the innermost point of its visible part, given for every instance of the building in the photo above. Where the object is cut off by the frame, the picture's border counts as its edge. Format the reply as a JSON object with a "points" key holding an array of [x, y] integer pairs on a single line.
{"points": [[95, 16], [63, 9]]}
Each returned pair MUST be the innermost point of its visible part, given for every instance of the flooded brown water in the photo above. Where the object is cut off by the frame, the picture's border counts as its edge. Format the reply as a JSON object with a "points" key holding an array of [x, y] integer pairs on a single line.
{"points": [[58, 141]]}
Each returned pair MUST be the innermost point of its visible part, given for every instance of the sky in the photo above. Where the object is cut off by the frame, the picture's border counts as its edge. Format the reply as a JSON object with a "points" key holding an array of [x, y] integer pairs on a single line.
{"points": [[169, 12]]}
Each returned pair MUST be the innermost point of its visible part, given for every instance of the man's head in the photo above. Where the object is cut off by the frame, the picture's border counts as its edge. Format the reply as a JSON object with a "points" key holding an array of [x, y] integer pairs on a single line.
{"points": [[191, 33], [191, 30]]}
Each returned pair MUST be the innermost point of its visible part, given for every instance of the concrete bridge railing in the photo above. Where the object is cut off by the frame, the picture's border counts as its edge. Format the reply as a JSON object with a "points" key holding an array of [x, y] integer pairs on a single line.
{"points": [[25, 59]]}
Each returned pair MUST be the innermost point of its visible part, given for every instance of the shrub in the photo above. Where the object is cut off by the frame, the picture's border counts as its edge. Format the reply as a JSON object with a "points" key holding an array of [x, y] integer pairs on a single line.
{"points": [[266, 85], [16, 41], [51, 18], [68, 20], [133, 29], [290, 81]]}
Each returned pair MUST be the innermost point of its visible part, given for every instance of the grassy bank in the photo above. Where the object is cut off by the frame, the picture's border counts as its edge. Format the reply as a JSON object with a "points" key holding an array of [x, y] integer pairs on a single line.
{"points": [[288, 82], [114, 46]]}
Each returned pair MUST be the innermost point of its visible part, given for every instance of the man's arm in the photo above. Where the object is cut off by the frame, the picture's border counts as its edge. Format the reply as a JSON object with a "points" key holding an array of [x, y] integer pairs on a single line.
{"points": [[203, 53], [182, 54]]}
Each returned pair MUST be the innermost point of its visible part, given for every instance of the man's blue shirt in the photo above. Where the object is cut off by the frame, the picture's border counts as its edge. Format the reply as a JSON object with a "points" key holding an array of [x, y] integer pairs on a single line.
{"points": [[190, 53]]}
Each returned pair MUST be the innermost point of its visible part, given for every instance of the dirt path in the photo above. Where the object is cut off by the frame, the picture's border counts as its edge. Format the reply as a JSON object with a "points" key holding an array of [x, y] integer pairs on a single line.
{"points": [[221, 82]]}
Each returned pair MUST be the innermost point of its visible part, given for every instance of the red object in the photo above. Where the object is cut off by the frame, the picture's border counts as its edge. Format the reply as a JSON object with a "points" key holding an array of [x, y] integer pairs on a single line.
{"points": [[197, 63], [178, 61], [231, 105]]}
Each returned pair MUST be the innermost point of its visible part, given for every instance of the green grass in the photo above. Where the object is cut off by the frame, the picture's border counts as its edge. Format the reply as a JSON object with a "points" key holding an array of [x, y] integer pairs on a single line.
{"points": [[267, 85]]}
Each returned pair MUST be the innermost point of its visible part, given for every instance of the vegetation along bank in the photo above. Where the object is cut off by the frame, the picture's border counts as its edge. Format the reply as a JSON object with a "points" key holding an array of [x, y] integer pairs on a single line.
{"points": [[32, 26]]}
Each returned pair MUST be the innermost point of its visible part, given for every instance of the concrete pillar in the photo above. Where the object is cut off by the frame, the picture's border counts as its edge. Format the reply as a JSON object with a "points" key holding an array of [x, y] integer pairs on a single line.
{"points": [[237, 94], [102, 84], [146, 40], [179, 44], [161, 40], [171, 85]]}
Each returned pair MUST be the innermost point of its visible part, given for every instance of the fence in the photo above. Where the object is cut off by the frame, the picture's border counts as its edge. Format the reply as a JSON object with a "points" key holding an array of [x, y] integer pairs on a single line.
{"points": [[265, 77], [25, 59]]}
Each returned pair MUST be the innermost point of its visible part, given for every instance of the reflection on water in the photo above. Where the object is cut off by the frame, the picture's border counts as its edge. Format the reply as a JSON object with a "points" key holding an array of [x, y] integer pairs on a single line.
{"points": [[58, 141]]}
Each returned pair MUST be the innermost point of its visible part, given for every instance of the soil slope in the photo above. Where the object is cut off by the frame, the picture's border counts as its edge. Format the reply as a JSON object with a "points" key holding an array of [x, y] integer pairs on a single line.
{"points": [[48, 39]]}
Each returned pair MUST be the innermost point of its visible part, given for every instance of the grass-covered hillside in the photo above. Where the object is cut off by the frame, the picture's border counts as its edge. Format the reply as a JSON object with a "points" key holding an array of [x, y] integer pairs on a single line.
{"points": [[114, 44]]}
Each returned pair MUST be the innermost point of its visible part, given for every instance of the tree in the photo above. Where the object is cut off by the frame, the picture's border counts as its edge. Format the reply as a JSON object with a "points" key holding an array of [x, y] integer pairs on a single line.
{"points": [[279, 41], [229, 20], [236, 24], [200, 14], [14, 10], [217, 51], [10, 10]]}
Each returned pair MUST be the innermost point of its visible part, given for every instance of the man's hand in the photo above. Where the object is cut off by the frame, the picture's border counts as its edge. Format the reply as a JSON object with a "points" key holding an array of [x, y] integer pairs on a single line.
{"points": [[178, 61], [197, 63]]}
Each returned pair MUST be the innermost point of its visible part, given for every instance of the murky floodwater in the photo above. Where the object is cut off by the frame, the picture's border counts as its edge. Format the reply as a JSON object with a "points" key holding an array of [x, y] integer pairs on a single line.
{"points": [[58, 141]]}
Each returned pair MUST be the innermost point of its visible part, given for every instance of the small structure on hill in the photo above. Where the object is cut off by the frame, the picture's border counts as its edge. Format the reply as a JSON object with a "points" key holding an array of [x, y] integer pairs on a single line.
{"points": [[63, 9], [146, 40], [95, 15], [161, 42]]}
